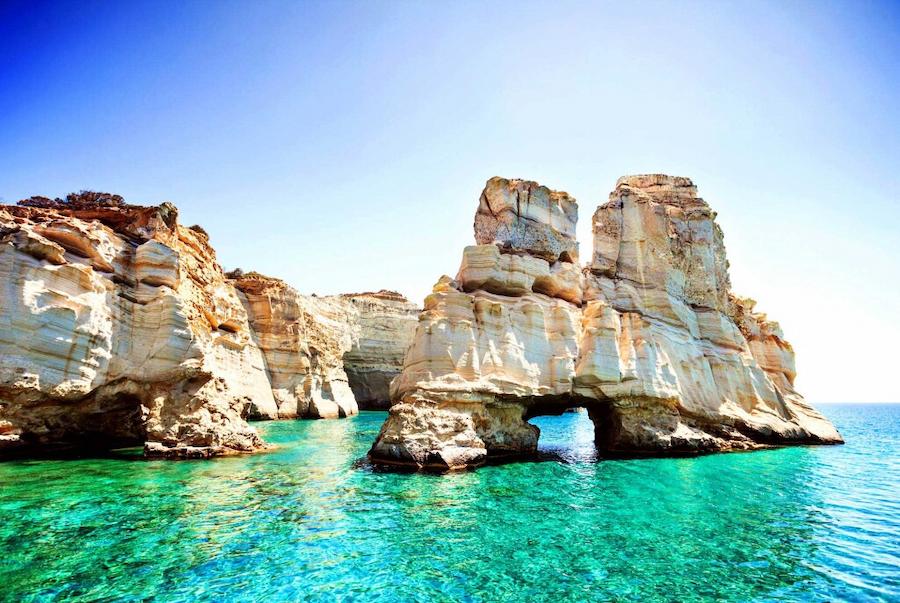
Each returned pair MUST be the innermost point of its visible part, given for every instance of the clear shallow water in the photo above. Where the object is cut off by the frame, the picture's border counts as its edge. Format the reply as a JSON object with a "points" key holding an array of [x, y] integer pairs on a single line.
{"points": [[310, 522]]}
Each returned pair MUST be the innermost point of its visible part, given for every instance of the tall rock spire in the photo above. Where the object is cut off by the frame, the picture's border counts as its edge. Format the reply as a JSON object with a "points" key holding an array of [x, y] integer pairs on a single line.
{"points": [[648, 337]]}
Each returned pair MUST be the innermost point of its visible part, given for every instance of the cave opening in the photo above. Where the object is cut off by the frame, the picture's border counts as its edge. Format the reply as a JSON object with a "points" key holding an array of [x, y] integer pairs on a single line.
{"points": [[102, 426], [572, 429]]}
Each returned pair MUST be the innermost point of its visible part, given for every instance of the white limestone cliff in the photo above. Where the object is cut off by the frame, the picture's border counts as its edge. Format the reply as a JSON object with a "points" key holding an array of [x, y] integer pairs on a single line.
{"points": [[303, 339], [119, 328], [649, 338], [383, 324], [328, 356]]}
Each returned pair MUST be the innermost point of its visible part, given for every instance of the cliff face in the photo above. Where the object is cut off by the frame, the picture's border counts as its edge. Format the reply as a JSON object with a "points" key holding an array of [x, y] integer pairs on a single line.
{"points": [[327, 356], [649, 338], [303, 339], [118, 328], [383, 324]]}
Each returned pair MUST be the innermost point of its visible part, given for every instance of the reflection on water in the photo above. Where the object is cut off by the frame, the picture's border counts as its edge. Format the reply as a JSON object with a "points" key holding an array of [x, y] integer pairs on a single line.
{"points": [[566, 438], [310, 521]]}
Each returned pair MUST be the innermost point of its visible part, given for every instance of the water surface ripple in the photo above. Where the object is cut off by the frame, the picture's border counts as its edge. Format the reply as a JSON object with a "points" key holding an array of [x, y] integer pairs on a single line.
{"points": [[311, 521]]}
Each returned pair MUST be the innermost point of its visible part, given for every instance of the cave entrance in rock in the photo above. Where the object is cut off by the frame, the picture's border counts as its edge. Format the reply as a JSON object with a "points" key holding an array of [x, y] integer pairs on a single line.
{"points": [[571, 429], [116, 422]]}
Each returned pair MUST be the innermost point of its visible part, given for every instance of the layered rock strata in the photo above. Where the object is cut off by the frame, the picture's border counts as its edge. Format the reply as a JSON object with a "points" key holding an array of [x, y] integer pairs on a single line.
{"points": [[383, 325], [649, 337], [303, 340], [119, 328]]}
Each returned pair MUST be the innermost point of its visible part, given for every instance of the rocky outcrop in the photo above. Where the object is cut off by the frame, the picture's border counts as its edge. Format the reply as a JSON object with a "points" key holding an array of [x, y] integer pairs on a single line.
{"points": [[383, 324], [326, 356], [649, 338], [118, 327], [303, 340], [524, 217]]}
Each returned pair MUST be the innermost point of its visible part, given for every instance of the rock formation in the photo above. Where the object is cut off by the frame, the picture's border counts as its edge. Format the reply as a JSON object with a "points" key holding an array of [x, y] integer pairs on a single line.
{"points": [[383, 324], [118, 327], [649, 338], [303, 339], [327, 356]]}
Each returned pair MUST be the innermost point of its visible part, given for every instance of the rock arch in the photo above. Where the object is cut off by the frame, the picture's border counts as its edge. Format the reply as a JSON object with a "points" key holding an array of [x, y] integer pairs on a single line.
{"points": [[648, 335]]}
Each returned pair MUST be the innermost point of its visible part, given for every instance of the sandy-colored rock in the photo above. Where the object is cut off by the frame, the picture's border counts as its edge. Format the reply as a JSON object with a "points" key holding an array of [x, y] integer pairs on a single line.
{"points": [[327, 356], [490, 343], [485, 267], [117, 328], [526, 218], [383, 324], [656, 233], [303, 339], [650, 340], [563, 281]]}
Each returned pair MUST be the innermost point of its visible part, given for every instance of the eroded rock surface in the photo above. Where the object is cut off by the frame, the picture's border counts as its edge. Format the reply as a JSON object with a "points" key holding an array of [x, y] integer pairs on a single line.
{"points": [[303, 339], [649, 338], [383, 325], [327, 356], [524, 217], [118, 327]]}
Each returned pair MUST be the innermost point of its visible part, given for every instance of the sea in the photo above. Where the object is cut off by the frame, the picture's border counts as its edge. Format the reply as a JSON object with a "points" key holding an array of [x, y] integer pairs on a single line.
{"points": [[314, 521]]}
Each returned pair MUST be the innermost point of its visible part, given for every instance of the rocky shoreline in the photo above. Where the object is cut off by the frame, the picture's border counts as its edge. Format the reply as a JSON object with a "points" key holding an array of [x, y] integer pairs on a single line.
{"points": [[119, 328]]}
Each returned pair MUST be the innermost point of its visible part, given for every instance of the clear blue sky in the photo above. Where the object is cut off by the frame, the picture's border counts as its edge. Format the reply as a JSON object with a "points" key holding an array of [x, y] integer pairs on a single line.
{"points": [[342, 146]]}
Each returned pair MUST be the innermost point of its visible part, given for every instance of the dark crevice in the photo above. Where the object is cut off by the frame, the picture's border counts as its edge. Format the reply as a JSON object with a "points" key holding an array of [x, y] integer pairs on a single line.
{"points": [[92, 428]]}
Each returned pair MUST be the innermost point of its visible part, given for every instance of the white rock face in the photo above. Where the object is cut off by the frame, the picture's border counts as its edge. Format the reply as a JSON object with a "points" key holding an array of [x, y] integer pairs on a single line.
{"points": [[118, 327], [649, 339], [382, 324], [524, 346], [326, 356], [303, 339]]}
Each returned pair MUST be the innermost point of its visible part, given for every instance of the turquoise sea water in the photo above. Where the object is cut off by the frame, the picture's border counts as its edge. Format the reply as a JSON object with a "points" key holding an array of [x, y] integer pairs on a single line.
{"points": [[312, 521]]}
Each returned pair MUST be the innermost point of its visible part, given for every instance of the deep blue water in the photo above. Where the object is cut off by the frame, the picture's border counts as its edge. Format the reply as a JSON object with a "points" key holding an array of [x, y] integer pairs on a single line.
{"points": [[311, 521]]}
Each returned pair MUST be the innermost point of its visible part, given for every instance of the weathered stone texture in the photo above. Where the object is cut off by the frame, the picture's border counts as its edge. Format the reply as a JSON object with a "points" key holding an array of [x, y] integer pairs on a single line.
{"points": [[524, 217], [118, 327], [649, 338], [383, 324]]}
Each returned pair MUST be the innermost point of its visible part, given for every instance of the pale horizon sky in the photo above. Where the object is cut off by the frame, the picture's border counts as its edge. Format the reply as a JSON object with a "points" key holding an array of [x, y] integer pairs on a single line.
{"points": [[343, 146]]}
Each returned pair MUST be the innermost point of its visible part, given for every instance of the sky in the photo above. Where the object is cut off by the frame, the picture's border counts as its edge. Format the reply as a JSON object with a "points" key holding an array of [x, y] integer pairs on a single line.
{"points": [[342, 146]]}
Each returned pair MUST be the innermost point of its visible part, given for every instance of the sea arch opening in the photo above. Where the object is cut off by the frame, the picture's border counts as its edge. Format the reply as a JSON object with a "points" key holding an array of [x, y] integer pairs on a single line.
{"points": [[571, 428]]}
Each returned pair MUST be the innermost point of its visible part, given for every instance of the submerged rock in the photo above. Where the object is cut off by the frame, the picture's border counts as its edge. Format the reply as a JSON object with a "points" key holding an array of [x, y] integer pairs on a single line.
{"points": [[649, 338]]}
